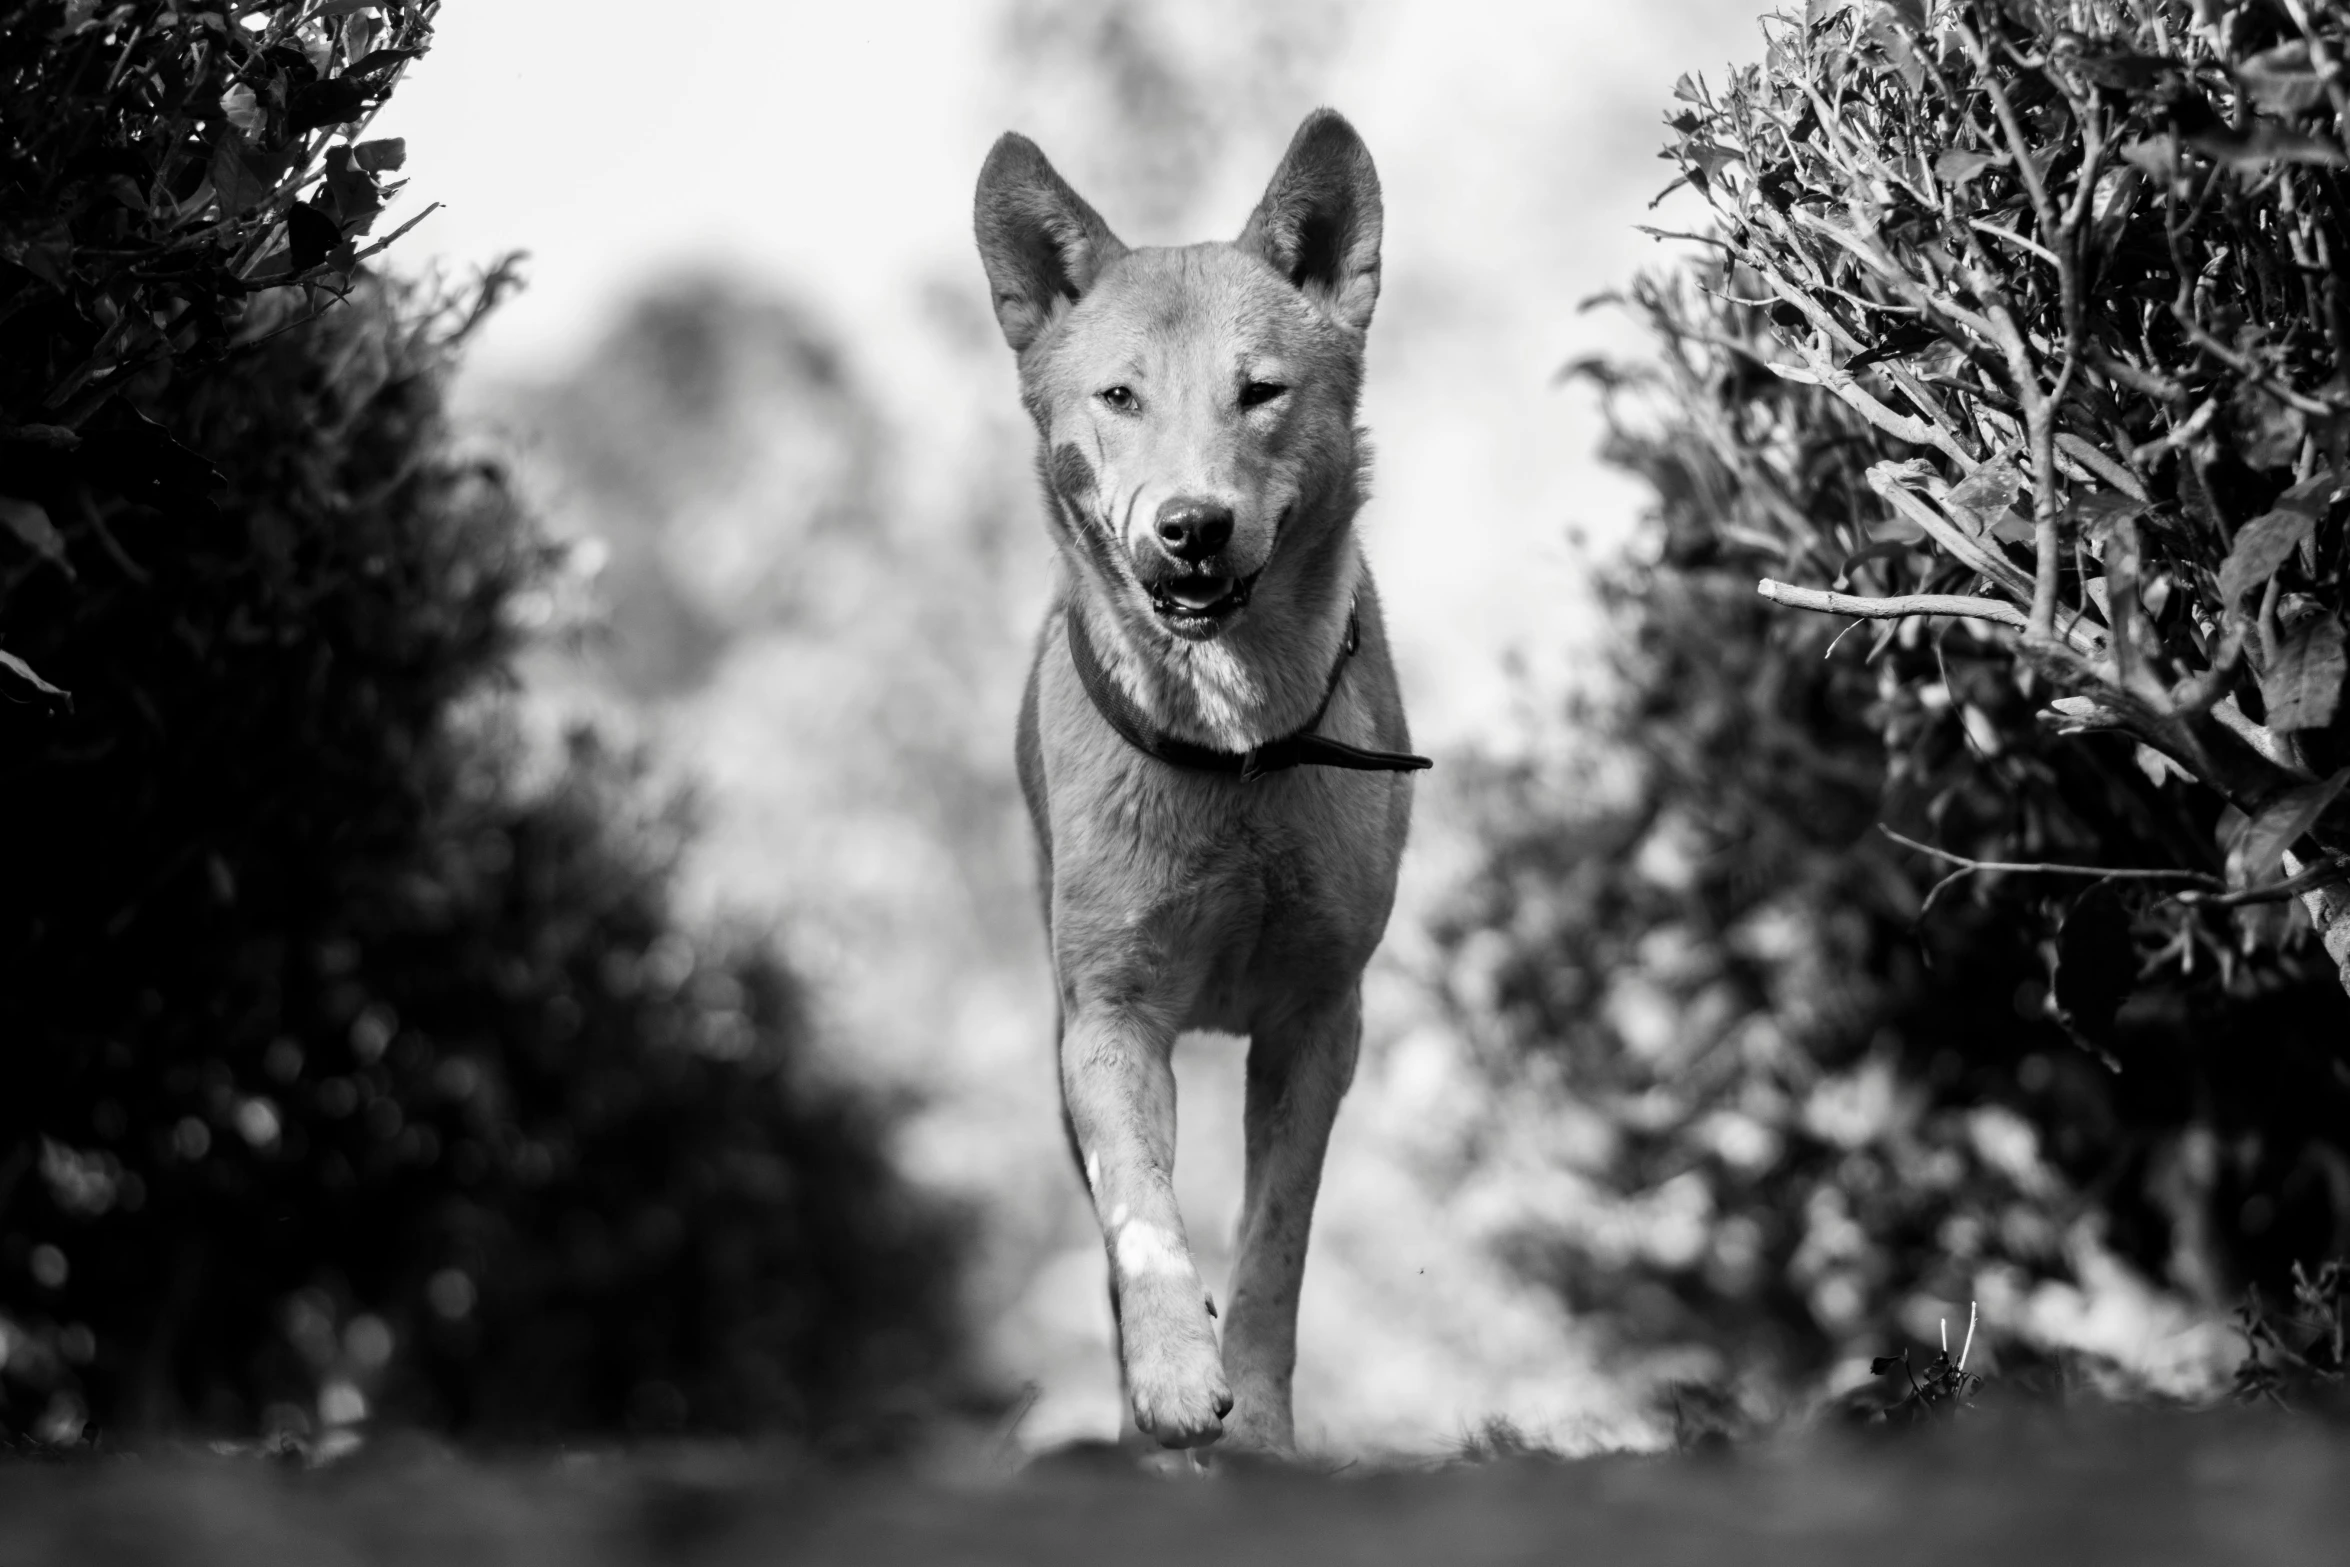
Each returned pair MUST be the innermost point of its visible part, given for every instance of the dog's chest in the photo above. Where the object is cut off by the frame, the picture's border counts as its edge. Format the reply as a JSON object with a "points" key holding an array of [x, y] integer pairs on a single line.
{"points": [[1218, 897]]}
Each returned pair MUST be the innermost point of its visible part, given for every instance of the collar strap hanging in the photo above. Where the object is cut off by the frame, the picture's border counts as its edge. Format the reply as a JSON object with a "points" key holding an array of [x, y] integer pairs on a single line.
{"points": [[1300, 748]]}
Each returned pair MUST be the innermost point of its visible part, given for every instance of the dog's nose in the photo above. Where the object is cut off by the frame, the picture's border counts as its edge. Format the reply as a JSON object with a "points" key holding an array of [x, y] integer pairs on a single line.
{"points": [[1193, 529]]}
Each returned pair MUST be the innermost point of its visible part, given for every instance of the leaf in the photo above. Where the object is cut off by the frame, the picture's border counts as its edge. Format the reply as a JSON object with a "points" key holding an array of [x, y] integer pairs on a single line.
{"points": [[48, 257], [2096, 963], [2303, 683], [2265, 432], [2157, 155], [2013, 526], [310, 234], [1884, 1363], [1983, 495], [2260, 548], [1902, 340], [243, 107], [2259, 850], [47, 437], [2158, 768], [29, 521], [2262, 143], [2134, 73], [1893, 43], [2077, 715], [293, 65], [383, 155], [330, 102], [331, 9], [1706, 161], [1957, 166], [1883, 549], [351, 197], [243, 180], [2311, 495], [17, 675], [2095, 512], [2281, 80]]}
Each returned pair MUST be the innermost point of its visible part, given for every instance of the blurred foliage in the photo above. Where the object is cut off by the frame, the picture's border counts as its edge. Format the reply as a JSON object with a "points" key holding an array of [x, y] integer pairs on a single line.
{"points": [[356, 1060], [1148, 97], [832, 630], [1811, 1105]]}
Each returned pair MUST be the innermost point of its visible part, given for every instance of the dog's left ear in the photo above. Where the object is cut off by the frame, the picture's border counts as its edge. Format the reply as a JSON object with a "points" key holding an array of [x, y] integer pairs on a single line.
{"points": [[1318, 224]]}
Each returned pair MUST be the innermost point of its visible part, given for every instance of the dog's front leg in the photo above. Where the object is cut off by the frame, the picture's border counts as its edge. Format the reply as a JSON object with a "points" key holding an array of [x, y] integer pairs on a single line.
{"points": [[1119, 1087], [1299, 1067]]}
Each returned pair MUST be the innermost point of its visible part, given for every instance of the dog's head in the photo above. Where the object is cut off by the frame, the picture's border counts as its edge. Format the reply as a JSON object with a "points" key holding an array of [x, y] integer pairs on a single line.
{"points": [[1197, 404]]}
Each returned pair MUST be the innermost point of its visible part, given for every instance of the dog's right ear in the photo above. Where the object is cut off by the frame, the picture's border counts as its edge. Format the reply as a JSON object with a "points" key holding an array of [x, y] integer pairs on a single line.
{"points": [[1042, 245]]}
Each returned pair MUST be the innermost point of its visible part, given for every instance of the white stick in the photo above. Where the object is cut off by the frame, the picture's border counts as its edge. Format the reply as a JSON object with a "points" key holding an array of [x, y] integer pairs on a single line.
{"points": [[1970, 1335]]}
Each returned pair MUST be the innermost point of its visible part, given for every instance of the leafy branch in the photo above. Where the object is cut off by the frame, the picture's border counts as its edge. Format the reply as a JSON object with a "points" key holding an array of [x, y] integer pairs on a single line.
{"points": [[2068, 272]]}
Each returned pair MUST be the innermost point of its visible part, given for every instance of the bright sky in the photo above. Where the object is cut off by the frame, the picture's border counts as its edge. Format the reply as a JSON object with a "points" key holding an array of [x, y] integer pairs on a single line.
{"points": [[834, 147]]}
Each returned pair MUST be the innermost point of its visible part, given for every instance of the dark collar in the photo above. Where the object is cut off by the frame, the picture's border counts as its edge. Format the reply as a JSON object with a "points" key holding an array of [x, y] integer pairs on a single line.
{"points": [[1301, 748]]}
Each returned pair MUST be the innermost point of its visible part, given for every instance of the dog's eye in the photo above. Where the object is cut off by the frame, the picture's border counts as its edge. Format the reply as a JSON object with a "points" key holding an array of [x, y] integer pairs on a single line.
{"points": [[1257, 393], [1121, 398]]}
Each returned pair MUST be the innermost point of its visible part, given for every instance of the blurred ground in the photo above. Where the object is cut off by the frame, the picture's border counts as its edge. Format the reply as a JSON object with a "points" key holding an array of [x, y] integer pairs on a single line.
{"points": [[2029, 1488]]}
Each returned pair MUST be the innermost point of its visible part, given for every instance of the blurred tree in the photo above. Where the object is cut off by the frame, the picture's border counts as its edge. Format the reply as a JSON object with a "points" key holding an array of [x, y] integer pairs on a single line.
{"points": [[719, 452], [840, 657], [1144, 100]]}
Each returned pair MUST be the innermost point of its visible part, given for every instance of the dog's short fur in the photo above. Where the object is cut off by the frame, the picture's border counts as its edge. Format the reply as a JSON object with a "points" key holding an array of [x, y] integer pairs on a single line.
{"points": [[1202, 467]]}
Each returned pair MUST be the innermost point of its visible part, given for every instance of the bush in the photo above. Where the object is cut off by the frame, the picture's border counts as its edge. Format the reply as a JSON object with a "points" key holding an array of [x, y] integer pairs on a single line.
{"points": [[355, 1057], [1817, 1096], [339, 1060], [2077, 260], [154, 165]]}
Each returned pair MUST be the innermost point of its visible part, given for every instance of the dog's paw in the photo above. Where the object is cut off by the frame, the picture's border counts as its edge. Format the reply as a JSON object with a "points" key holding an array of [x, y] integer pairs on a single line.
{"points": [[1178, 1390]]}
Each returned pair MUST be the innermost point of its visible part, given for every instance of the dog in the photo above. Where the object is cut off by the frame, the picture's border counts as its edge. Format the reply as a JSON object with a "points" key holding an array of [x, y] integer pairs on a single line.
{"points": [[1211, 742]]}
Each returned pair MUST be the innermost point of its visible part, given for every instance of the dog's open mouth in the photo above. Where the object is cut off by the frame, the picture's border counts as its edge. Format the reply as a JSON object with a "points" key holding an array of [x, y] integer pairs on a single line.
{"points": [[1197, 606]]}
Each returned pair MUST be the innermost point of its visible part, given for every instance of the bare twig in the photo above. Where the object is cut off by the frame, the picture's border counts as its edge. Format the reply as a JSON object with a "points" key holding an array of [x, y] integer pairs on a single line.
{"points": [[1977, 553], [2013, 238], [1840, 385], [2331, 872], [1970, 865], [2072, 450], [1893, 607]]}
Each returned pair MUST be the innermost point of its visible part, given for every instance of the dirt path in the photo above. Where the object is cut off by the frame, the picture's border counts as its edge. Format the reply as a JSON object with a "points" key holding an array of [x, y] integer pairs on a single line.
{"points": [[2009, 1492]]}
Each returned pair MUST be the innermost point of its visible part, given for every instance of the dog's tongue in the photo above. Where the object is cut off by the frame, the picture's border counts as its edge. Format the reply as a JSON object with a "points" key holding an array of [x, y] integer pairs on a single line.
{"points": [[1198, 592]]}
